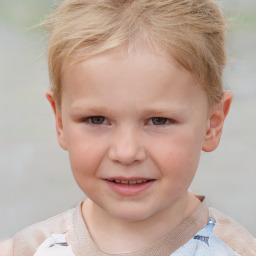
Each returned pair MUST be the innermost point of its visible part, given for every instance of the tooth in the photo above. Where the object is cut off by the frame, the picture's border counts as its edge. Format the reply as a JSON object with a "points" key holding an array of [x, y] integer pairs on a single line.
{"points": [[131, 182]]}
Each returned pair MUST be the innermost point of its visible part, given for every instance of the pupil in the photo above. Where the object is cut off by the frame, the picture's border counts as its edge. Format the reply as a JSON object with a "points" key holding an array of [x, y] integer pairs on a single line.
{"points": [[159, 120], [97, 119]]}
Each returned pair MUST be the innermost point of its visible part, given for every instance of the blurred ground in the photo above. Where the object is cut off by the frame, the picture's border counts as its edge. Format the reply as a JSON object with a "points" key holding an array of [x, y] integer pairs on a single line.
{"points": [[35, 177]]}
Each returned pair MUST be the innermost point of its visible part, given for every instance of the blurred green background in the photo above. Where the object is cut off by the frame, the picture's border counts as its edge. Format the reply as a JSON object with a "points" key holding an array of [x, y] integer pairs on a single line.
{"points": [[35, 176]]}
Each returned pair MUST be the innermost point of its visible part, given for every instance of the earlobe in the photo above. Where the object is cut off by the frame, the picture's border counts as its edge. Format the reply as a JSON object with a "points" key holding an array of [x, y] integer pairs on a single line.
{"points": [[216, 121], [58, 120]]}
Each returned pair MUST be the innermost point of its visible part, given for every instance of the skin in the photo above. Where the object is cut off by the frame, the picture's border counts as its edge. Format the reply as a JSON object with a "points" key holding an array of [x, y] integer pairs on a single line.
{"points": [[130, 117], [6, 247]]}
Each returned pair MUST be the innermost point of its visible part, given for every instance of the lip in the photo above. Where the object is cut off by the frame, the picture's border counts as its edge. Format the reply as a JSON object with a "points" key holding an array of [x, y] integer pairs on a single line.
{"points": [[129, 189]]}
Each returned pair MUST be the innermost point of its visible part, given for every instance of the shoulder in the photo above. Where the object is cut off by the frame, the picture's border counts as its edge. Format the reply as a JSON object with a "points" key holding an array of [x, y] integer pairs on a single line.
{"points": [[28, 240], [6, 248], [233, 234]]}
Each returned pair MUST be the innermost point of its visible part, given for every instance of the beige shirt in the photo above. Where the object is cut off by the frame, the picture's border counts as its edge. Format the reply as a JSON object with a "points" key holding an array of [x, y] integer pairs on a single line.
{"points": [[66, 235]]}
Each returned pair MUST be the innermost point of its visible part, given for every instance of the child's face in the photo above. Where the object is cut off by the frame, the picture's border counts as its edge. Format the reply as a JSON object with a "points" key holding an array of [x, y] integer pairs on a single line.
{"points": [[137, 118]]}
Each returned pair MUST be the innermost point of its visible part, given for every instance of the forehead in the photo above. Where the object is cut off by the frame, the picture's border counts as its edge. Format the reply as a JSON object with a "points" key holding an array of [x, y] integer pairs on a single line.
{"points": [[130, 60], [136, 75]]}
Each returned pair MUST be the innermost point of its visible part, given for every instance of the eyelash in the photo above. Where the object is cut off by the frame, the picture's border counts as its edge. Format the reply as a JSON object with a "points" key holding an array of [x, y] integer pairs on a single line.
{"points": [[163, 120], [89, 120], [166, 121]]}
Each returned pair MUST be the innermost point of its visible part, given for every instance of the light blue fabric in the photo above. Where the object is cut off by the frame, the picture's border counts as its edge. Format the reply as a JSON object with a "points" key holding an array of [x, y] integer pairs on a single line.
{"points": [[205, 243], [55, 245]]}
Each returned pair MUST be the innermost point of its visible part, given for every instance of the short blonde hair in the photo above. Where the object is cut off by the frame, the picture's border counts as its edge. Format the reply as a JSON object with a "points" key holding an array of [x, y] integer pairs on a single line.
{"points": [[192, 31]]}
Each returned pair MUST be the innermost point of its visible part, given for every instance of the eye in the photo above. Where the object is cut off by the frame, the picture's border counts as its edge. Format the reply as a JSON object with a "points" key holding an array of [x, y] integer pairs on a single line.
{"points": [[160, 121], [96, 120]]}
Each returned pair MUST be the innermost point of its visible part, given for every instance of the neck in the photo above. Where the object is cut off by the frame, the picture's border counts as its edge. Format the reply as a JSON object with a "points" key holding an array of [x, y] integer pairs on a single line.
{"points": [[129, 236]]}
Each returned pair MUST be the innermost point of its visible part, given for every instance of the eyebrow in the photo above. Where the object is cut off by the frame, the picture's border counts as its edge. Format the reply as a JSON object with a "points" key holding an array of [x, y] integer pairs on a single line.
{"points": [[164, 110], [152, 111], [89, 108]]}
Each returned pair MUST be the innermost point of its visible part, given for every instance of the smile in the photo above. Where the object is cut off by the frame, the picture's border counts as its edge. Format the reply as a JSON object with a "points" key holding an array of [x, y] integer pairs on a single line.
{"points": [[129, 182], [129, 186]]}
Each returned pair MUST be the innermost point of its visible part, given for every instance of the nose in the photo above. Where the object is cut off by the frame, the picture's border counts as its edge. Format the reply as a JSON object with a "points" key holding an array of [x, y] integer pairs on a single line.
{"points": [[127, 147]]}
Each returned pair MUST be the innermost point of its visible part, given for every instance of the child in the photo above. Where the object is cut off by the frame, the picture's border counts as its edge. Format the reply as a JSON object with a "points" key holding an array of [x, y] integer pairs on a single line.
{"points": [[137, 94]]}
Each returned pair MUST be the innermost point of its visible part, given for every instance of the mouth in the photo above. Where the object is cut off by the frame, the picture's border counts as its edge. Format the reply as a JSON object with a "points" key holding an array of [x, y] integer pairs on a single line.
{"points": [[132, 186], [130, 182]]}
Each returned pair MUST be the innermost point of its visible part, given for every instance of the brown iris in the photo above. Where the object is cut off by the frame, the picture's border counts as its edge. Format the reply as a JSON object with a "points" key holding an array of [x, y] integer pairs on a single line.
{"points": [[97, 119], [159, 120]]}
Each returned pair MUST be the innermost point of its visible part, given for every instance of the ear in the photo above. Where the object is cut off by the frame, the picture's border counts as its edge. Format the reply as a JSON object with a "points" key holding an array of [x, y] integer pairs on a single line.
{"points": [[216, 121], [58, 120]]}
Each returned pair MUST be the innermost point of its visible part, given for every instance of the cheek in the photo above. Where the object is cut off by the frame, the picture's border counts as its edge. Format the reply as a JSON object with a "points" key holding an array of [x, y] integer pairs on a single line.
{"points": [[85, 155], [85, 161], [178, 157]]}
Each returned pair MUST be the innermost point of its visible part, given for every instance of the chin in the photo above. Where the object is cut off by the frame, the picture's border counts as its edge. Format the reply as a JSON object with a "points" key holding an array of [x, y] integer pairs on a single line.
{"points": [[131, 214]]}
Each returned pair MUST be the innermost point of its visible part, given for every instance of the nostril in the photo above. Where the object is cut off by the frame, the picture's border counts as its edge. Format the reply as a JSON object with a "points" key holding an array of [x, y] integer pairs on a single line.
{"points": [[127, 155]]}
